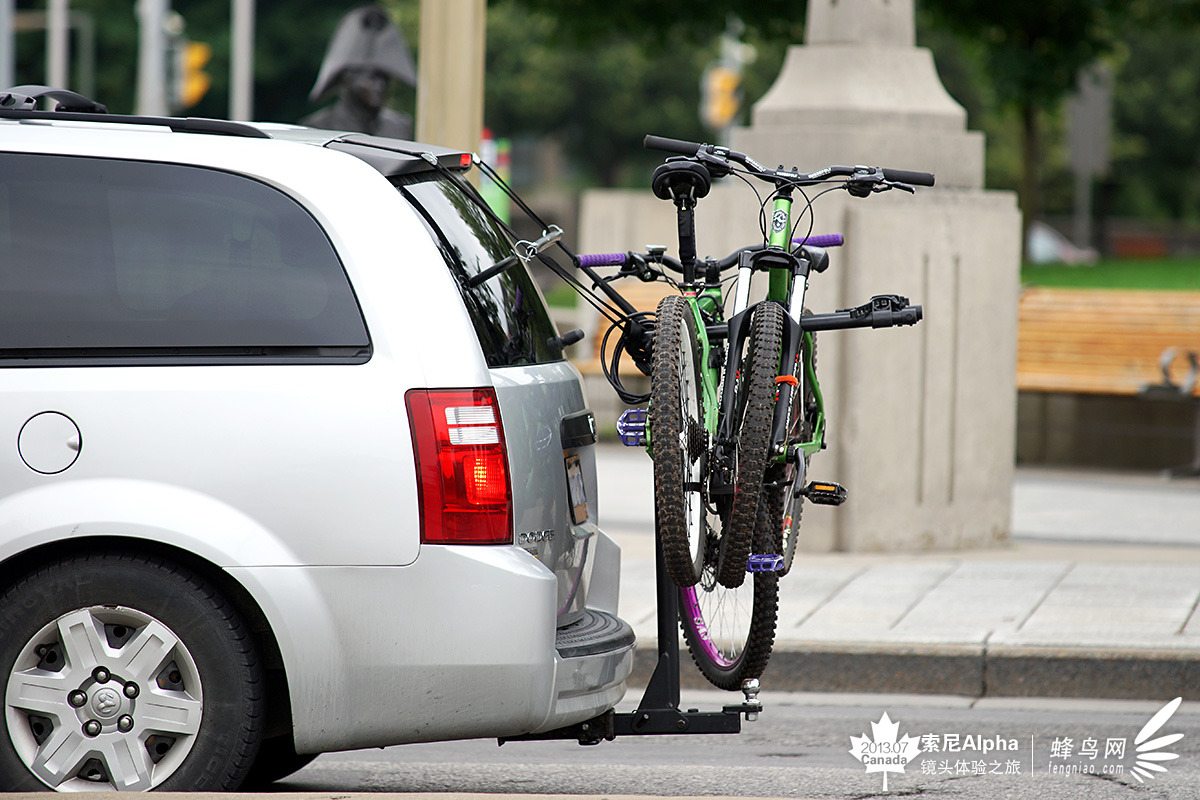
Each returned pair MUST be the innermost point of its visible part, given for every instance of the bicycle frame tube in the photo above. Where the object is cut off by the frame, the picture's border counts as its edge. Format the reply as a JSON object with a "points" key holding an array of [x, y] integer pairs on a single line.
{"points": [[780, 236], [708, 375], [813, 446]]}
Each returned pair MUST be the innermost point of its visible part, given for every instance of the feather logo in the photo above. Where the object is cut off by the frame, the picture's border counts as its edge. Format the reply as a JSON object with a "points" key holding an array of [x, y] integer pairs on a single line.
{"points": [[1150, 754]]}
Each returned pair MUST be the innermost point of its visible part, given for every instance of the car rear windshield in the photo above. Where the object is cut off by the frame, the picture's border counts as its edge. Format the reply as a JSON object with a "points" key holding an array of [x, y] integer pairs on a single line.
{"points": [[507, 311], [130, 259]]}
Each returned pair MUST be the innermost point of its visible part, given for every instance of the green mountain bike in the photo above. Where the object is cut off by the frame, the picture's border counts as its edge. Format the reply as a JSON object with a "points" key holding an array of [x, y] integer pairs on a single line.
{"points": [[735, 405]]}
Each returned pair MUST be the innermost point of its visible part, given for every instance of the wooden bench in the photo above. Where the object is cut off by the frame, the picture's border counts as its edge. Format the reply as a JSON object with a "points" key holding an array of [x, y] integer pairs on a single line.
{"points": [[1101, 341], [1110, 342]]}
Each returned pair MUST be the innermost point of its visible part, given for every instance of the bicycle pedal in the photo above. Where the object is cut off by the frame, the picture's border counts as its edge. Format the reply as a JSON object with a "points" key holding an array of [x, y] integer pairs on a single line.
{"points": [[764, 562], [825, 493], [631, 427]]}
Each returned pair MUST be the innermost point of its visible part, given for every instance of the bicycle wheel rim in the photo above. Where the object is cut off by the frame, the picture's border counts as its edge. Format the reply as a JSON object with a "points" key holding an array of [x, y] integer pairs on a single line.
{"points": [[720, 621]]}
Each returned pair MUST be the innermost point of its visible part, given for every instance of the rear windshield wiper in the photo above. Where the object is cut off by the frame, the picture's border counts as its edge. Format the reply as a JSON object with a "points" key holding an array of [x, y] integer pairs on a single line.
{"points": [[523, 252]]}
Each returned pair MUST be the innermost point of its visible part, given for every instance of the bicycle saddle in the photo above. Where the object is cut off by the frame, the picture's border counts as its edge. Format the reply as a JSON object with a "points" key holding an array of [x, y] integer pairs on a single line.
{"points": [[681, 178]]}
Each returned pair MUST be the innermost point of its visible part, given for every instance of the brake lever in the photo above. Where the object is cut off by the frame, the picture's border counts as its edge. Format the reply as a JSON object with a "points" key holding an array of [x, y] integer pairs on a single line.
{"points": [[860, 187], [868, 185], [638, 266], [717, 165], [641, 266]]}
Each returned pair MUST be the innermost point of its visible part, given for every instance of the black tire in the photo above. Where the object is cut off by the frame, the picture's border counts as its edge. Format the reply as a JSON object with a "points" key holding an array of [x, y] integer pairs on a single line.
{"points": [[730, 632], [679, 441], [91, 627], [755, 410], [277, 759]]}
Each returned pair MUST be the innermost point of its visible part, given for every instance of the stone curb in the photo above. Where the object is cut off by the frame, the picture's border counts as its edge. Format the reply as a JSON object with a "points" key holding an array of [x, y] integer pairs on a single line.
{"points": [[966, 670]]}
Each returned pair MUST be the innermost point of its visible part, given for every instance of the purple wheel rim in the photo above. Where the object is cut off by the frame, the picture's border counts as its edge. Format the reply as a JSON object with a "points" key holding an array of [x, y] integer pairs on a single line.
{"points": [[695, 618]]}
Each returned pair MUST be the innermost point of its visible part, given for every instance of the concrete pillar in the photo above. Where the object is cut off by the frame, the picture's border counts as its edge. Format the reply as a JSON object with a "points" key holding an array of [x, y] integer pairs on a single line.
{"points": [[450, 75], [921, 420]]}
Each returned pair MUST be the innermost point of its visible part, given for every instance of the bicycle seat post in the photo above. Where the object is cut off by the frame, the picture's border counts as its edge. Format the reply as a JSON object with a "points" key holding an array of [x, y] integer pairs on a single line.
{"points": [[683, 182], [685, 210]]}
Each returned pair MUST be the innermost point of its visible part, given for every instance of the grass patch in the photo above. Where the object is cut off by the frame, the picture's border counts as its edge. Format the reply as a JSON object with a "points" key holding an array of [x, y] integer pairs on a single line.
{"points": [[562, 296], [1162, 274]]}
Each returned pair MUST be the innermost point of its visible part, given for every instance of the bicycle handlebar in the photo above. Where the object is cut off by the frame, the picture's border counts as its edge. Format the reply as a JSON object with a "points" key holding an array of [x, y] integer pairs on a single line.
{"points": [[883, 311], [821, 240], [603, 259], [908, 176], [715, 154], [679, 146], [622, 259]]}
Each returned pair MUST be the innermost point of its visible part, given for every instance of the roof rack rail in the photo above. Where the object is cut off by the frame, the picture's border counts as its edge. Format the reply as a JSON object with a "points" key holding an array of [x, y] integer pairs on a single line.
{"points": [[20, 102], [26, 98]]}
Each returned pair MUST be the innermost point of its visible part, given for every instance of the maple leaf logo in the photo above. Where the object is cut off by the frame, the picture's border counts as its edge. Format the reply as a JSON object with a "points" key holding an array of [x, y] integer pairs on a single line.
{"points": [[886, 751]]}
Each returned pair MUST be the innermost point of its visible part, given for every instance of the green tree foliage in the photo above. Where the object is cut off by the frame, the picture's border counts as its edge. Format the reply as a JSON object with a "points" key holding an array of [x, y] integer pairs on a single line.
{"points": [[1156, 115], [599, 90], [653, 20], [597, 98], [1033, 52], [290, 41]]}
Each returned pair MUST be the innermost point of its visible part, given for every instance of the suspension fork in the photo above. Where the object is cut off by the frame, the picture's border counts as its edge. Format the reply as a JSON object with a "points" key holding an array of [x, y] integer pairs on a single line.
{"points": [[798, 352]]}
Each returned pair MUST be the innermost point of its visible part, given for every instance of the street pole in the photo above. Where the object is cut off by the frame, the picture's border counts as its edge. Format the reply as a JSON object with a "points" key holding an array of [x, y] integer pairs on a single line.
{"points": [[8, 39], [450, 77], [58, 38], [152, 58], [241, 65]]}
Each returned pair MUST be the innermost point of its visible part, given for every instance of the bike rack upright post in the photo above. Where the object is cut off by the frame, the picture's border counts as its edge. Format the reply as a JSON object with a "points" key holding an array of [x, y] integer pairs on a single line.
{"points": [[658, 713]]}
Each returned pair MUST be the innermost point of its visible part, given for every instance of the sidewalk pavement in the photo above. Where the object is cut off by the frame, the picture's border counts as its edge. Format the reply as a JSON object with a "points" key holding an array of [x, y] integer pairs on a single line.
{"points": [[1096, 596]]}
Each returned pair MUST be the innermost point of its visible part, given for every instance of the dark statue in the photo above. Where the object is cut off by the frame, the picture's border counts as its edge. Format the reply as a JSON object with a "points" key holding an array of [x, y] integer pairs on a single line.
{"points": [[365, 54]]}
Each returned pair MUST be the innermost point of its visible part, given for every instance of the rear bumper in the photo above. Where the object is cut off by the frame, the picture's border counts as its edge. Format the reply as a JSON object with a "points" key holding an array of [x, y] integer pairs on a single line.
{"points": [[460, 644]]}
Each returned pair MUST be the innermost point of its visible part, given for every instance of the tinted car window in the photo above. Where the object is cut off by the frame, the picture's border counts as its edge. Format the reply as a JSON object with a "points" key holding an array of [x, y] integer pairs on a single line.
{"points": [[133, 257], [507, 311]]}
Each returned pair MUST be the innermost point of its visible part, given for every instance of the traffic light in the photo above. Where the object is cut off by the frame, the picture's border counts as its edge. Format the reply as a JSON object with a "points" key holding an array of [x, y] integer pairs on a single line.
{"points": [[721, 96], [193, 81]]}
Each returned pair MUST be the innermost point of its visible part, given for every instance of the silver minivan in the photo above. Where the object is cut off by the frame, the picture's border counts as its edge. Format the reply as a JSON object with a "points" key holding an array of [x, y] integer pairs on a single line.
{"points": [[284, 476]]}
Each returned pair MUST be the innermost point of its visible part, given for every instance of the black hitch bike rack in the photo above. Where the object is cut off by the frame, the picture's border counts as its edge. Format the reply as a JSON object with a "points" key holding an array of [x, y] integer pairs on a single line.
{"points": [[658, 714]]}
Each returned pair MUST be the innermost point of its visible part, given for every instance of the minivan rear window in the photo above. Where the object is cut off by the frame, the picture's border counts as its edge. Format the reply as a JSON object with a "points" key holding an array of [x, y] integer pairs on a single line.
{"points": [[508, 312], [105, 257]]}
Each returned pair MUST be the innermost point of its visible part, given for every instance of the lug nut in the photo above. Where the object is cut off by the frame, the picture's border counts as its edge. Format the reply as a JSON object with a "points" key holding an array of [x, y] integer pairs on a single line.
{"points": [[131, 690], [77, 698], [125, 724], [101, 675], [92, 728]]}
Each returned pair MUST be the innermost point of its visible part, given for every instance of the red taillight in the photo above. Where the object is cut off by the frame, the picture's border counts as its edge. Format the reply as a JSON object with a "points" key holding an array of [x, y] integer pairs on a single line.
{"points": [[462, 466]]}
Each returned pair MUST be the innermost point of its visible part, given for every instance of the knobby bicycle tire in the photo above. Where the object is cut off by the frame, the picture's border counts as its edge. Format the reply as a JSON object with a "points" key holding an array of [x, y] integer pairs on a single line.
{"points": [[730, 632], [678, 441], [755, 410]]}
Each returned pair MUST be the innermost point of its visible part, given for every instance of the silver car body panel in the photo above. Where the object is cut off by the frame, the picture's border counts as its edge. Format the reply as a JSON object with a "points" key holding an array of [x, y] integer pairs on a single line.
{"points": [[298, 481]]}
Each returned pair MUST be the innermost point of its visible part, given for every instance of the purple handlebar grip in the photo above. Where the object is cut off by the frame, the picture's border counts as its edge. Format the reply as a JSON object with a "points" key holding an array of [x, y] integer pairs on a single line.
{"points": [[822, 240], [602, 259]]}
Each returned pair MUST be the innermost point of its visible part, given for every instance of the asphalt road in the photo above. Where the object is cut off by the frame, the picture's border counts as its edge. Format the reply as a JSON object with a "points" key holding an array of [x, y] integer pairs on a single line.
{"points": [[800, 748]]}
